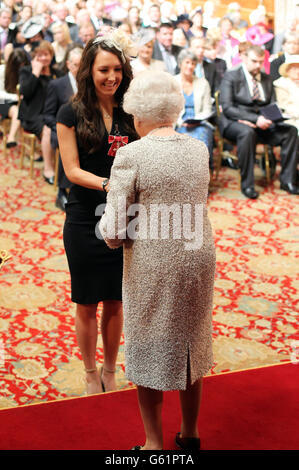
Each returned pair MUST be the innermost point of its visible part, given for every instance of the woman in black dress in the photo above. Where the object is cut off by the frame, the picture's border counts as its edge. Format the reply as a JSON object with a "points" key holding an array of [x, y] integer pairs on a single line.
{"points": [[90, 129]]}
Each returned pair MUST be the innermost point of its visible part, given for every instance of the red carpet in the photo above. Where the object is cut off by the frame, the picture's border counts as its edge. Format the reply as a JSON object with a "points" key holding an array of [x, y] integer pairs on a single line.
{"points": [[256, 409]]}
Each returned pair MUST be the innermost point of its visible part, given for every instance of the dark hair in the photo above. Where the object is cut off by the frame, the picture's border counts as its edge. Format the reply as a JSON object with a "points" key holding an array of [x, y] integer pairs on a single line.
{"points": [[17, 59], [91, 128], [165, 25]]}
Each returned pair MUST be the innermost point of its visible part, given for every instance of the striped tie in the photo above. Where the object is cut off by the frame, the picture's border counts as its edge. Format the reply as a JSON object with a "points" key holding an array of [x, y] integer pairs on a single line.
{"points": [[255, 90]]}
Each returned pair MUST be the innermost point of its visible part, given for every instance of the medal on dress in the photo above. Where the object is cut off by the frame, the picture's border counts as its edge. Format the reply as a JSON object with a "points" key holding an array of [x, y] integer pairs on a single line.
{"points": [[116, 142]]}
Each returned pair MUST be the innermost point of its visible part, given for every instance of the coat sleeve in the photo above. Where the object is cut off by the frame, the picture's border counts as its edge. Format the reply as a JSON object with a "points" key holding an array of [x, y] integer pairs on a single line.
{"points": [[51, 106], [28, 83], [230, 107], [122, 193]]}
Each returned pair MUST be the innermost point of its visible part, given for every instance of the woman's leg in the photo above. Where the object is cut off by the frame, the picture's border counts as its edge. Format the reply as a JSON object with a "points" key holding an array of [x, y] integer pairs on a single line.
{"points": [[190, 403], [150, 404], [15, 123], [87, 334], [48, 152], [111, 330]]}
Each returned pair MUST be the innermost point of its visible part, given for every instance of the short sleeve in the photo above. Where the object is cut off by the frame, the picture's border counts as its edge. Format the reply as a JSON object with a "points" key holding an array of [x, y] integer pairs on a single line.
{"points": [[66, 115]]}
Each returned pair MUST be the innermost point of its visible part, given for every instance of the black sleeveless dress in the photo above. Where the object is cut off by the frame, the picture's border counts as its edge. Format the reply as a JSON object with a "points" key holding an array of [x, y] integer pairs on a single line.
{"points": [[96, 270]]}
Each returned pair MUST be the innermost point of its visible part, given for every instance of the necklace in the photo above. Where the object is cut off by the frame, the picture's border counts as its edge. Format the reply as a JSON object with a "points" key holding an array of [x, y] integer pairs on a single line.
{"points": [[105, 114], [160, 127]]}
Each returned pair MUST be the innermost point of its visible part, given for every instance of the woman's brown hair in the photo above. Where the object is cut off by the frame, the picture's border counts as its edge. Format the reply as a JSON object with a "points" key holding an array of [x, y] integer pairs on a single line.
{"points": [[91, 128], [17, 59]]}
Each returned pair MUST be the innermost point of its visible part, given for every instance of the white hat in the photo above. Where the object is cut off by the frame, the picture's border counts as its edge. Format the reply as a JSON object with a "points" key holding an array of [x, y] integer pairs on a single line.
{"points": [[33, 26], [143, 36], [292, 59]]}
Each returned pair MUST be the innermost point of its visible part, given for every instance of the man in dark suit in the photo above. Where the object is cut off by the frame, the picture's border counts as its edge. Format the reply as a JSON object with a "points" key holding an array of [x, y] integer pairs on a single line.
{"points": [[243, 93], [58, 93], [290, 47], [164, 49]]}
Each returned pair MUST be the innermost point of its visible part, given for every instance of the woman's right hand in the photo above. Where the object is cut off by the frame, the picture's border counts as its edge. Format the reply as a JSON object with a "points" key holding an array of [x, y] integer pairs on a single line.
{"points": [[36, 66]]}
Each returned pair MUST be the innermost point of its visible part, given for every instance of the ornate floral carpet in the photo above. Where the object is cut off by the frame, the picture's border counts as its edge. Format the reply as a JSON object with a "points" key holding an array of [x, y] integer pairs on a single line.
{"points": [[255, 316]]}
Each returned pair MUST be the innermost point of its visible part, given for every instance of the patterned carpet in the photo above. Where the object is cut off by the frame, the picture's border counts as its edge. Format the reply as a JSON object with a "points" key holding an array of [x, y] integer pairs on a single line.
{"points": [[255, 320]]}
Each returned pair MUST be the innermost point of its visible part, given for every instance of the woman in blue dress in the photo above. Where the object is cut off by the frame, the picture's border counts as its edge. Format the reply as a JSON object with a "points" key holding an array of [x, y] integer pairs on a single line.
{"points": [[198, 102]]}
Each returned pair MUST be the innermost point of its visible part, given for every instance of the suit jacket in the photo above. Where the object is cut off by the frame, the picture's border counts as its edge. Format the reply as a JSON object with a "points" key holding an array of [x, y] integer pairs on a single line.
{"points": [[157, 54], [236, 101], [34, 92], [211, 75], [59, 92], [274, 66]]}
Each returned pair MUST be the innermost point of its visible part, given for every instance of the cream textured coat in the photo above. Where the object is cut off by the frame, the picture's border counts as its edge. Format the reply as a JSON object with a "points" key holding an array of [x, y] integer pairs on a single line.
{"points": [[287, 94], [202, 97], [168, 280]]}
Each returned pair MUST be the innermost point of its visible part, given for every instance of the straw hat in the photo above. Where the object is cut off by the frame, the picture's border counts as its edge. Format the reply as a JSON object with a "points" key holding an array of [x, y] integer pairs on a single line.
{"points": [[292, 59]]}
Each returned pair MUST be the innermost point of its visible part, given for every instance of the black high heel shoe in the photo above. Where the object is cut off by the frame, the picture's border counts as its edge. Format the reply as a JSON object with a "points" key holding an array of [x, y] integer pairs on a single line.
{"points": [[187, 443], [49, 180]]}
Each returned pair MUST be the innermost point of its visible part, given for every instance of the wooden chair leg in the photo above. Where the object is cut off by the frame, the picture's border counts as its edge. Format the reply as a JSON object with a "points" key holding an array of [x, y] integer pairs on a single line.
{"points": [[219, 159], [267, 164], [5, 132], [32, 153], [22, 150], [56, 168]]}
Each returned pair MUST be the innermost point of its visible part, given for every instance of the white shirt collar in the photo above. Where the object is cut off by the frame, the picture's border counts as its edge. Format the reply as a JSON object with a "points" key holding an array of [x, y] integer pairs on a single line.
{"points": [[73, 82]]}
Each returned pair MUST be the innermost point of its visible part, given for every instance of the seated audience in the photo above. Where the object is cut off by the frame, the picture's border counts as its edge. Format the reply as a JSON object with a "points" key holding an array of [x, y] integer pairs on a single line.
{"points": [[34, 80], [292, 23], [203, 67], [9, 79], [197, 96], [290, 47], [184, 23], [126, 27], [61, 15], [86, 32], [164, 49], [228, 46], [15, 36], [134, 19], [153, 17], [259, 35], [244, 91], [5, 20], [98, 16], [58, 93], [179, 38], [62, 39], [145, 44], [211, 47], [197, 29], [239, 24], [287, 89], [209, 19]]}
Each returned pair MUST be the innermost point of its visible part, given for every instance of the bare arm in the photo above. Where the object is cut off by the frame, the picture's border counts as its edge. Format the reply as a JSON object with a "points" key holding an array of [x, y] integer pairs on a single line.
{"points": [[70, 159]]}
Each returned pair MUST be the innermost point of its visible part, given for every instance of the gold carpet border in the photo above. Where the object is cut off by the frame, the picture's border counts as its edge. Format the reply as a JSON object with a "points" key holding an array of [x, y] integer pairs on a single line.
{"points": [[134, 387]]}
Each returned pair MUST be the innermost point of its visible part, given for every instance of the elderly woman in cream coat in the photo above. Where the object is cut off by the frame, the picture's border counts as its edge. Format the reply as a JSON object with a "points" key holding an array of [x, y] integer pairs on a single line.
{"points": [[198, 102], [156, 208], [287, 89]]}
